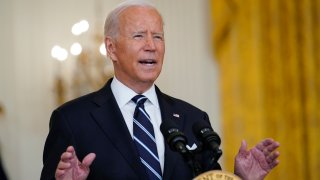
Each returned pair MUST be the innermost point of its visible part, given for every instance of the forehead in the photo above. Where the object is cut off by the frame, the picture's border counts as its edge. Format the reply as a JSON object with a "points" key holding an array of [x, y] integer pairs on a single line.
{"points": [[141, 17]]}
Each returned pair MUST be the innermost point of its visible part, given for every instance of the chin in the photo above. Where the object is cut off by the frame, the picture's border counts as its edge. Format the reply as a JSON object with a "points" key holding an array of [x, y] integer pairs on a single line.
{"points": [[150, 80], [149, 76]]}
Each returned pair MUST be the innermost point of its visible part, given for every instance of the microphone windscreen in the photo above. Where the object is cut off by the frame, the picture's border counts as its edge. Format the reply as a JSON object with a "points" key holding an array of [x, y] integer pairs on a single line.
{"points": [[166, 128], [204, 131], [172, 134]]}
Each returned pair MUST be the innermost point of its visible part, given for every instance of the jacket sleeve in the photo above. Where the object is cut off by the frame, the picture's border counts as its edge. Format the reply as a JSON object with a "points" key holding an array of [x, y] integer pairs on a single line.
{"points": [[58, 139]]}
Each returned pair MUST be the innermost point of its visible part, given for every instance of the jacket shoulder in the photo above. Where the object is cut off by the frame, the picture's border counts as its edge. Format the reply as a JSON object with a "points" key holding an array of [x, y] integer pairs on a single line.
{"points": [[179, 103]]}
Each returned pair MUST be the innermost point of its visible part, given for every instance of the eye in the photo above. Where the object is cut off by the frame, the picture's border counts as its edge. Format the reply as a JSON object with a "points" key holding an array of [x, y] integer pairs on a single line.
{"points": [[159, 37], [138, 36]]}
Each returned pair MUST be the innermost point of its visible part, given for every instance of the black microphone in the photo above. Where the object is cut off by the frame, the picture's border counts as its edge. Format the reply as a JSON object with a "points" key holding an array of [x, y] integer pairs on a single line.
{"points": [[208, 137], [176, 140]]}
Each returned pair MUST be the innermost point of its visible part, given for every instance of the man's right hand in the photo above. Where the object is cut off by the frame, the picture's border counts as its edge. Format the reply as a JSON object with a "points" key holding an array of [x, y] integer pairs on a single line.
{"points": [[71, 168]]}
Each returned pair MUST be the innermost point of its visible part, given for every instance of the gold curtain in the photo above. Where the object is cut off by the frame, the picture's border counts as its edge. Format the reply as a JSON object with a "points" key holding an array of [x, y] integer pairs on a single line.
{"points": [[269, 58]]}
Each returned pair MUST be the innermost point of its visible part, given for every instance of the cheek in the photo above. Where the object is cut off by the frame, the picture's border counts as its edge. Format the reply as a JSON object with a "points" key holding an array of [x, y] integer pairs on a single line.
{"points": [[161, 48], [132, 50]]}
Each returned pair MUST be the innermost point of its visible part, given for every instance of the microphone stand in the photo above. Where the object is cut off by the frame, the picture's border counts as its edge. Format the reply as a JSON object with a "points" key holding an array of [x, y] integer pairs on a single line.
{"points": [[193, 164], [189, 157], [216, 155]]}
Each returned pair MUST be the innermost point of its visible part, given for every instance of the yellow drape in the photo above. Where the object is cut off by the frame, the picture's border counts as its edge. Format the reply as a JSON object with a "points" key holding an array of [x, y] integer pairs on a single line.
{"points": [[269, 59]]}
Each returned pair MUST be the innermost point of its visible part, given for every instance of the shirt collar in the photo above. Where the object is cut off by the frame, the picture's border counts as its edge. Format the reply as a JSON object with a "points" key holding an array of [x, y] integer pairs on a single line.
{"points": [[124, 94]]}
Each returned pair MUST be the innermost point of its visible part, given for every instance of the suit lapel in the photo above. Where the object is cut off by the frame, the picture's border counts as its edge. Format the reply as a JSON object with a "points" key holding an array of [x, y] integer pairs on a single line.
{"points": [[110, 119], [108, 116], [168, 113]]}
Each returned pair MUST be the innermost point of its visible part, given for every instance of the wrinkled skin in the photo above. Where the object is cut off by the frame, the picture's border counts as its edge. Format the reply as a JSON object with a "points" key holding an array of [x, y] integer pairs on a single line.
{"points": [[256, 163], [138, 50], [71, 168]]}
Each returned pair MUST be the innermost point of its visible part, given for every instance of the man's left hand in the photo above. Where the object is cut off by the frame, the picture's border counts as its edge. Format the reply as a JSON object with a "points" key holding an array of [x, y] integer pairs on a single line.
{"points": [[256, 163]]}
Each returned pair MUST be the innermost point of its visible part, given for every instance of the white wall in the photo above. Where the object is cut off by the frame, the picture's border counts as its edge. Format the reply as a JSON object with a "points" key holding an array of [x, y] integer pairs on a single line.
{"points": [[29, 29]]}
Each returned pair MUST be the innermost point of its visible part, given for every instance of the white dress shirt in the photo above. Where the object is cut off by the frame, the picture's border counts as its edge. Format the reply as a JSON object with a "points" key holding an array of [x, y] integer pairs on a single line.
{"points": [[123, 95]]}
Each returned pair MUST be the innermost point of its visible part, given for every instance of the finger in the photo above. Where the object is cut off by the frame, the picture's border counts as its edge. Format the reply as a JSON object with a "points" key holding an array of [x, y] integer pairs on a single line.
{"points": [[262, 144], [274, 164], [63, 165], [243, 148], [257, 154], [70, 156], [272, 157], [270, 148], [87, 161], [273, 146], [267, 141], [66, 156], [260, 158], [267, 146], [71, 150], [59, 173]]}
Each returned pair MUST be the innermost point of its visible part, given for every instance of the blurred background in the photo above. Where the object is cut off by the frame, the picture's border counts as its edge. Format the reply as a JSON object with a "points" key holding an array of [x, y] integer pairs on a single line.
{"points": [[253, 65]]}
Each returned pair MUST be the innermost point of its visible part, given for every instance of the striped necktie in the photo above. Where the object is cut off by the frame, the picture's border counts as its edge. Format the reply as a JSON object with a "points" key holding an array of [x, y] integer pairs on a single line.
{"points": [[143, 136]]}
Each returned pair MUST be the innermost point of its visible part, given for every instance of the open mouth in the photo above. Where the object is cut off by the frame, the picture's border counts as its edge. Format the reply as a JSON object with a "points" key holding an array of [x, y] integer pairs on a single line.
{"points": [[147, 61]]}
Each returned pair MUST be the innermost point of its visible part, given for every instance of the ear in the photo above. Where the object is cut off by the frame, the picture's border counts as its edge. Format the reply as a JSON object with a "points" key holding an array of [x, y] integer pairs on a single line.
{"points": [[111, 48]]}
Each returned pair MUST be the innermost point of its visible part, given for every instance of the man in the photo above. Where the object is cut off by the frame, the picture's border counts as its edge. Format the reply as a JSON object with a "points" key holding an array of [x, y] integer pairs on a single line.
{"points": [[100, 128]]}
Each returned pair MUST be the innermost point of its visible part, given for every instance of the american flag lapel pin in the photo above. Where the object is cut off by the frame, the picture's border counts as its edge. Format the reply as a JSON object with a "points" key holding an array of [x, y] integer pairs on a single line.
{"points": [[176, 115]]}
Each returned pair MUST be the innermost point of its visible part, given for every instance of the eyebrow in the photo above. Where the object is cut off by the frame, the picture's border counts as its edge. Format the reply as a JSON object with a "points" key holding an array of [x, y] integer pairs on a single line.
{"points": [[144, 32]]}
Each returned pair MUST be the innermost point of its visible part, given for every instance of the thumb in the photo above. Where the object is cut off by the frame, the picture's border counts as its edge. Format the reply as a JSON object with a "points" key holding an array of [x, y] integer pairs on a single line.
{"points": [[243, 147], [87, 161]]}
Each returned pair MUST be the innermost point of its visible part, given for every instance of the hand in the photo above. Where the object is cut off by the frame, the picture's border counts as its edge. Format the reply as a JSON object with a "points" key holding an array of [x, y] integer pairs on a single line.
{"points": [[256, 163], [70, 168]]}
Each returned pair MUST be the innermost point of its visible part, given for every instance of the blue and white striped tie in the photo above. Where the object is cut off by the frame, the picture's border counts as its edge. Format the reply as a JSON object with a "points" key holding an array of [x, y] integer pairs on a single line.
{"points": [[143, 136]]}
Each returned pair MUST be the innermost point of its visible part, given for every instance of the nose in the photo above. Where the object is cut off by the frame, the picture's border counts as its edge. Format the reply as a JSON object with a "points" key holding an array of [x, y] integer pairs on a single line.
{"points": [[150, 44]]}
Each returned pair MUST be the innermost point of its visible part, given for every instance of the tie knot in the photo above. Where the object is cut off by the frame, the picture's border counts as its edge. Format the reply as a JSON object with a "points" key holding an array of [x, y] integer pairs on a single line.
{"points": [[139, 99]]}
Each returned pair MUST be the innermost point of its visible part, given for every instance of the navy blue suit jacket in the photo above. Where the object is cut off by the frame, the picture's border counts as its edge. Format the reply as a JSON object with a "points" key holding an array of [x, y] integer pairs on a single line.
{"points": [[2, 173], [94, 123]]}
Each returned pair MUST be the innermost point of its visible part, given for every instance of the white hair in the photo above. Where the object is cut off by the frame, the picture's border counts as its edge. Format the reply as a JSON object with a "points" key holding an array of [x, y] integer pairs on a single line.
{"points": [[111, 26]]}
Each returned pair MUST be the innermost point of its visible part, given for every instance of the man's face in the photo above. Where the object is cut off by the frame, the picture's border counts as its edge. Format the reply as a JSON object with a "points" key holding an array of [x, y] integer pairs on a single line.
{"points": [[138, 50]]}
